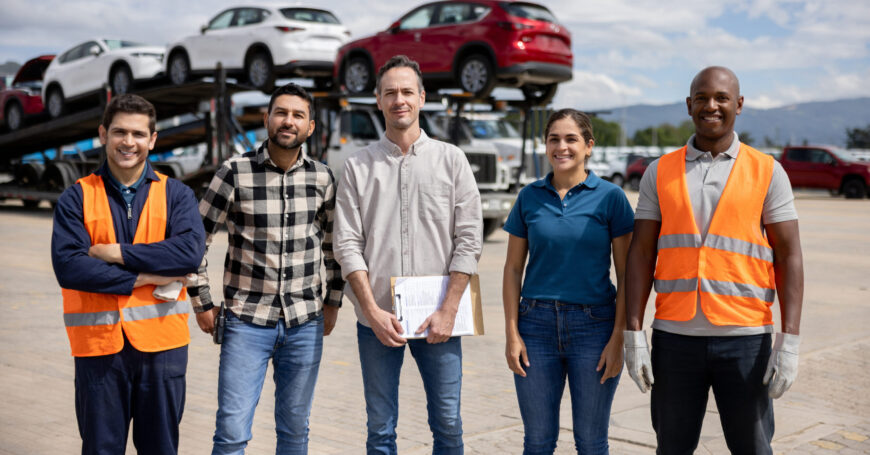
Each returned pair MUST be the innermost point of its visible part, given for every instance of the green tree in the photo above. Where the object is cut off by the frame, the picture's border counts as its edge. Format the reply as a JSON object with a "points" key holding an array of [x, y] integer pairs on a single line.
{"points": [[746, 137], [858, 138], [606, 133], [664, 135]]}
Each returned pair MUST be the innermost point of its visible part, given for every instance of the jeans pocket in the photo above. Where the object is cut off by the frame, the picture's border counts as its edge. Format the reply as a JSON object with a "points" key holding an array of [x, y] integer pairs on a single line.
{"points": [[525, 306], [601, 312]]}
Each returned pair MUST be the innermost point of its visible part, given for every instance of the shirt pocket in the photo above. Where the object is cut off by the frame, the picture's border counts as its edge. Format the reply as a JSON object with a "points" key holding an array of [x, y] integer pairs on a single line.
{"points": [[434, 199]]}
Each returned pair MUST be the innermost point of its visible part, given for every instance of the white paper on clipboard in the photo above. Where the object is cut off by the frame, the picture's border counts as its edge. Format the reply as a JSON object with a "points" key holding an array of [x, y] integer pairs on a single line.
{"points": [[418, 297]]}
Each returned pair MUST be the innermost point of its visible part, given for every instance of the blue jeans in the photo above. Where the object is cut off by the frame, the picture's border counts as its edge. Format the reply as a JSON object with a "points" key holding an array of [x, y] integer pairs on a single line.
{"points": [[686, 367], [440, 367], [147, 387], [245, 354], [564, 340]]}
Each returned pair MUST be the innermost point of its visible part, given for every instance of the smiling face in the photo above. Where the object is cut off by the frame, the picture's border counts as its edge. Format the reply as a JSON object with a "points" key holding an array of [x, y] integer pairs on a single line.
{"points": [[714, 103], [288, 124], [128, 139], [400, 99], [567, 150]]}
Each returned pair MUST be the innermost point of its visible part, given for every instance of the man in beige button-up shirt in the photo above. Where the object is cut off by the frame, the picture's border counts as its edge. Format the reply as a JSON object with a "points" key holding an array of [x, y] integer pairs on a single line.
{"points": [[407, 205]]}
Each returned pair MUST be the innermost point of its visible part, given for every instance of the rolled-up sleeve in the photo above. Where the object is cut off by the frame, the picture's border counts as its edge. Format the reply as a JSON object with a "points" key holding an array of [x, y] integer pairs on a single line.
{"points": [[348, 236], [468, 225]]}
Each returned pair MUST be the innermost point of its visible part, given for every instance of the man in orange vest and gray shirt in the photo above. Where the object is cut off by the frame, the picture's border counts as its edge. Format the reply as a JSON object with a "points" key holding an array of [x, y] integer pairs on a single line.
{"points": [[717, 232], [118, 234]]}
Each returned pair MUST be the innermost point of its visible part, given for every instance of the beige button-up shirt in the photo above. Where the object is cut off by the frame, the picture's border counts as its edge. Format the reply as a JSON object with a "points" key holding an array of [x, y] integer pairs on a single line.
{"points": [[406, 215]]}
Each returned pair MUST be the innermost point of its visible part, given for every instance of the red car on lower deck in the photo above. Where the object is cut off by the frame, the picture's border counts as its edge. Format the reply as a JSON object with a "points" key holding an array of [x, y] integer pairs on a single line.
{"points": [[23, 99]]}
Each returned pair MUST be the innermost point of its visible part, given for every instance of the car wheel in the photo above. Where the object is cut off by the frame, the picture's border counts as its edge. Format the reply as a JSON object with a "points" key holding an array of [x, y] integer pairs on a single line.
{"points": [[618, 180], [854, 189], [358, 77], [179, 68], [55, 103], [14, 116], [121, 80], [259, 72], [634, 182], [540, 95], [476, 76], [490, 225]]}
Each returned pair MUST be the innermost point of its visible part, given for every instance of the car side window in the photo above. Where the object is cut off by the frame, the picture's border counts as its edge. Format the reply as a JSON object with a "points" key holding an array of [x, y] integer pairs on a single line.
{"points": [[222, 20], [417, 19], [820, 157], [801, 155], [248, 16], [454, 13]]}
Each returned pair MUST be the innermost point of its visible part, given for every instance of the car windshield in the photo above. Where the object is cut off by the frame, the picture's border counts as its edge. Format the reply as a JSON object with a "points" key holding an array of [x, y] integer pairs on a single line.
{"points": [[114, 44], [529, 11], [309, 15], [492, 129]]}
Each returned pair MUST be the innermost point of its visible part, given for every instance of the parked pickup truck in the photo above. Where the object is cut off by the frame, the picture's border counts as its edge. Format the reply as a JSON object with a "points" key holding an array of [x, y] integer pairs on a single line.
{"points": [[828, 168]]}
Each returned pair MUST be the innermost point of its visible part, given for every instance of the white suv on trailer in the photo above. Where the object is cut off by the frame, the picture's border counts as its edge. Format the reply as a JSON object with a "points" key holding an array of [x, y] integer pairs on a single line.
{"points": [[258, 43]]}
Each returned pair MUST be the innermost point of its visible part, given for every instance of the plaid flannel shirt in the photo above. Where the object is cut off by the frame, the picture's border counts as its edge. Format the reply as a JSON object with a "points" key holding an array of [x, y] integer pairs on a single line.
{"points": [[279, 226]]}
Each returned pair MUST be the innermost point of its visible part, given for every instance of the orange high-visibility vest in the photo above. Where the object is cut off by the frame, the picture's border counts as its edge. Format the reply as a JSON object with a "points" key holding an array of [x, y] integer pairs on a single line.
{"points": [[94, 321], [732, 270]]}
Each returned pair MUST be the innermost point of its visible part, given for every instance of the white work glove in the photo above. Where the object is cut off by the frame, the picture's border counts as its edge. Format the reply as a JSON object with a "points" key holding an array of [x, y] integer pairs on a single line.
{"points": [[637, 360], [783, 364]]}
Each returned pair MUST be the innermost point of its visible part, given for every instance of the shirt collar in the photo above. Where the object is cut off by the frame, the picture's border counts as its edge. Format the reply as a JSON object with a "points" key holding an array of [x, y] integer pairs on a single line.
{"points": [[263, 157], [591, 181], [693, 154], [148, 173], [395, 150]]}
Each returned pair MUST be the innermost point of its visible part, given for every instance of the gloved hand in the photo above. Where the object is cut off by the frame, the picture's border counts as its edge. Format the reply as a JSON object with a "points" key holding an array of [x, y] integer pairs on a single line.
{"points": [[783, 364], [637, 360]]}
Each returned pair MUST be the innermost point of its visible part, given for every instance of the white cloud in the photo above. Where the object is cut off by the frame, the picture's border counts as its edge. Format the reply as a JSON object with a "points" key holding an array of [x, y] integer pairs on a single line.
{"points": [[591, 91]]}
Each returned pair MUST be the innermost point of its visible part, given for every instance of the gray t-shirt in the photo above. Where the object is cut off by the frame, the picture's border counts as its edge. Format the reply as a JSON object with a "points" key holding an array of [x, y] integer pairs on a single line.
{"points": [[706, 178]]}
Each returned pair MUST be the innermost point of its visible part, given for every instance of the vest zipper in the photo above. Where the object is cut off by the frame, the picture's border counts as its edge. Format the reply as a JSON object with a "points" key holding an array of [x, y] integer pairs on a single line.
{"points": [[129, 212]]}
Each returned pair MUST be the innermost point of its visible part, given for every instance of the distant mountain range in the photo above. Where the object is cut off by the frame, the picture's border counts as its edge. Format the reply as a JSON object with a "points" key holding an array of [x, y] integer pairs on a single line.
{"points": [[819, 122]]}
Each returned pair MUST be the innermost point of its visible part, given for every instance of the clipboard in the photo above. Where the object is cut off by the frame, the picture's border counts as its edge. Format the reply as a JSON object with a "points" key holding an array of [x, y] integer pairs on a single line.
{"points": [[420, 300]]}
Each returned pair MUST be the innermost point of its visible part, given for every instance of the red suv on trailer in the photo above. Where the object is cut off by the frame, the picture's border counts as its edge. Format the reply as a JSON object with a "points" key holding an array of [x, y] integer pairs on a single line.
{"points": [[23, 98], [473, 45]]}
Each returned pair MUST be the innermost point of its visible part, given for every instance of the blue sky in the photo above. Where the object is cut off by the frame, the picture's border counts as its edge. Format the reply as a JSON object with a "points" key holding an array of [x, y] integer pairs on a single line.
{"points": [[625, 51]]}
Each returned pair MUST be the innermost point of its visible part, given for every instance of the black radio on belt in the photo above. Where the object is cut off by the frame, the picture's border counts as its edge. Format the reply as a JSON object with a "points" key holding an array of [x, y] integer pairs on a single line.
{"points": [[219, 323]]}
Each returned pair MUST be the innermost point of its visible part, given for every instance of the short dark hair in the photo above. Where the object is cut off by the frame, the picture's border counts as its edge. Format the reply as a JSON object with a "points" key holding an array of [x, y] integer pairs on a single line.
{"points": [[130, 104], [580, 119], [399, 61], [293, 90]]}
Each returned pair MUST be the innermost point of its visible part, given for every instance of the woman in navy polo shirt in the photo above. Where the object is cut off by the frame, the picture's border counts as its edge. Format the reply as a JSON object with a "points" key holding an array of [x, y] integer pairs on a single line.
{"points": [[568, 320]]}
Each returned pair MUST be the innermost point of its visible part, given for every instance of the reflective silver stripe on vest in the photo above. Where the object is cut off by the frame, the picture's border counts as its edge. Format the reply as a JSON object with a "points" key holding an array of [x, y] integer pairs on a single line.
{"points": [[740, 247], [679, 241], [681, 285], [139, 313], [97, 318], [737, 289]]}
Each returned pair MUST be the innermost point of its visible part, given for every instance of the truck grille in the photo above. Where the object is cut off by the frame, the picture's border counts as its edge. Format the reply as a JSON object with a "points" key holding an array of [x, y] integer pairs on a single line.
{"points": [[484, 167]]}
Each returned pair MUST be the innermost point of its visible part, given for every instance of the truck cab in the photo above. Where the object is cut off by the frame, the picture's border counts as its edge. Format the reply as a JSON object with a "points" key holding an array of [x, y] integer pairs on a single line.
{"points": [[826, 167]]}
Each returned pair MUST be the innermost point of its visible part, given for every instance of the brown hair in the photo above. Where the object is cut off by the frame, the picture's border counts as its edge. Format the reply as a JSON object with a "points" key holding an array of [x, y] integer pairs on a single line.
{"points": [[580, 119], [130, 104], [399, 61]]}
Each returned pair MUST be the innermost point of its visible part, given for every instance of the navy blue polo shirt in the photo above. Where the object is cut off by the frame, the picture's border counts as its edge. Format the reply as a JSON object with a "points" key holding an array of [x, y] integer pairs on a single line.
{"points": [[569, 239]]}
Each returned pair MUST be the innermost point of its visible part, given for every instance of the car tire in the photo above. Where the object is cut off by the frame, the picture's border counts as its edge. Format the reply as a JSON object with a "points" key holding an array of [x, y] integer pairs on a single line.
{"points": [[121, 80], [258, 71], [54, 102], [854, 189], [179, 68], [475, 76], [490, 225], [59, 175], [358, 77], [540, 95], [618, 180], [14, 116]]}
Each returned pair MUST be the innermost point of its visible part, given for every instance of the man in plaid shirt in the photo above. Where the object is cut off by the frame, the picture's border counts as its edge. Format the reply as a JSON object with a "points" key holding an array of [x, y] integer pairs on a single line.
{"points": [[278, 206]]}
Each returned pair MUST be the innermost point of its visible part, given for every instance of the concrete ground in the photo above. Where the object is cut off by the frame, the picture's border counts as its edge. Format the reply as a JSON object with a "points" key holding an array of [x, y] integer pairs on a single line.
{"points": [[827, 410]]}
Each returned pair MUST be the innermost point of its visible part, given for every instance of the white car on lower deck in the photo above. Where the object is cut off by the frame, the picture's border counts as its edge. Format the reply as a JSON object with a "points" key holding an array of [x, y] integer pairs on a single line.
{"points": [[83, 70], [259, 43]]}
